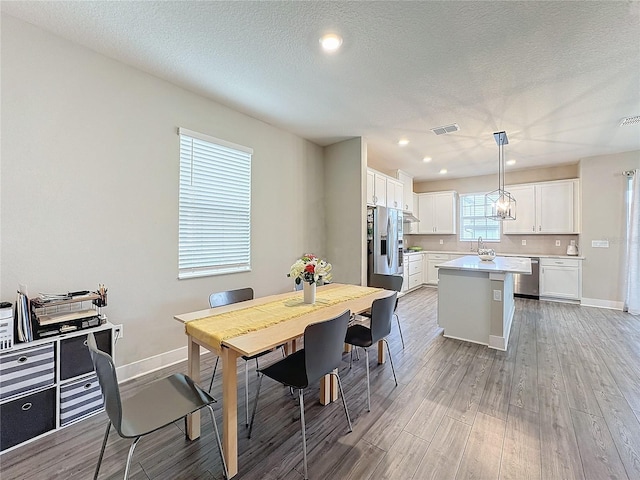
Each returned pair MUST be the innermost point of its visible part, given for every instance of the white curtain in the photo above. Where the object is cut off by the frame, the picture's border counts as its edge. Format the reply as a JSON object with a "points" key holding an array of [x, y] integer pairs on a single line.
{"points": [[632, 300]]}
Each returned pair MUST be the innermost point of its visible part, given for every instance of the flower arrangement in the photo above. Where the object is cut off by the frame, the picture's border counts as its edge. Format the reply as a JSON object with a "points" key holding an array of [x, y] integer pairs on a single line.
{"points": [[310, 269]]}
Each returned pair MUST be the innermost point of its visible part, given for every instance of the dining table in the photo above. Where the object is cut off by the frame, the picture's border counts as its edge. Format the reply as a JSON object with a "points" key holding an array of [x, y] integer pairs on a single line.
{"points": [[259, 325]]}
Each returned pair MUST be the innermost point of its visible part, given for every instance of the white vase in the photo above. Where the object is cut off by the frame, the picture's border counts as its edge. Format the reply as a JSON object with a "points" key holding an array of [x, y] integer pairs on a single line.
{"points": [[309, 290]]}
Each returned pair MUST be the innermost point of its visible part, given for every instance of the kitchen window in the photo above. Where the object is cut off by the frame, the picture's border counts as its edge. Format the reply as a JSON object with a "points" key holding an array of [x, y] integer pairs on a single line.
{"points": [[214, 227], [473, 223]]}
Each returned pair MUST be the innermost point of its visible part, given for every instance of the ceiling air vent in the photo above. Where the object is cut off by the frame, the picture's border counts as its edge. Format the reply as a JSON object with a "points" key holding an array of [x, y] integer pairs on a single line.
{"points": [[446, 129], [630, 121]]}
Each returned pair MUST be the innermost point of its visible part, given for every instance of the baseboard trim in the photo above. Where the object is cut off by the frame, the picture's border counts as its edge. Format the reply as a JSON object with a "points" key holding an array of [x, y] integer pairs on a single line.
{"points": [[497, 343], [151, 364], [598, 303]]}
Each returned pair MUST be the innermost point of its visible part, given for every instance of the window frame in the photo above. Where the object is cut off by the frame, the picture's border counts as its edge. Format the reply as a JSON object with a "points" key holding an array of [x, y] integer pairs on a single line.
{"points": [[461, 217], [208, 216]]}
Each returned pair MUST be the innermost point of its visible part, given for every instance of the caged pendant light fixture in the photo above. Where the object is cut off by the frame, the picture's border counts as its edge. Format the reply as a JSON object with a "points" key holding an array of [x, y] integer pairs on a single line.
{"points": [[500, 204]]}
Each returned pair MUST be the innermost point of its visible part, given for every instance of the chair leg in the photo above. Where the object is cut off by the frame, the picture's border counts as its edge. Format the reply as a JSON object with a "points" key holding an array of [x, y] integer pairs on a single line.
{"points": [[215, 367], [215, 429], [246, 391], [129, 457], [304, 436], [366, 356], [255, 405], [391, 361], [104, 444], [399, 328], [344, 401]]}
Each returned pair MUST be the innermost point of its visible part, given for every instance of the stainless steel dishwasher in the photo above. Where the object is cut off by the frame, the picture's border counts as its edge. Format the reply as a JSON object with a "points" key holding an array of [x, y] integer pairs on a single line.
{"points": [[527, 286]]}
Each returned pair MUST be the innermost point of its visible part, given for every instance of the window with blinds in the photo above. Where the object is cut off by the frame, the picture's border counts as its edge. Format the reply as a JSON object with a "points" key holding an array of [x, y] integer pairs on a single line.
{"points": [[473, 223], [214, 232]]}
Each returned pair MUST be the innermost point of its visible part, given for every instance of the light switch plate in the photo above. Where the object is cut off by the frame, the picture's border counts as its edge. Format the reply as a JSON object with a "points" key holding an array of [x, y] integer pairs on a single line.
{"points": [[557, 243], [441, 242], [524, 242], [600, 243], [497, 294]]}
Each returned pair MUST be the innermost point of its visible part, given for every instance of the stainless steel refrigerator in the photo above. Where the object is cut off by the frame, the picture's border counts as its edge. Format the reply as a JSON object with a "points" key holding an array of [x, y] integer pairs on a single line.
{"points": [[385, 242]]}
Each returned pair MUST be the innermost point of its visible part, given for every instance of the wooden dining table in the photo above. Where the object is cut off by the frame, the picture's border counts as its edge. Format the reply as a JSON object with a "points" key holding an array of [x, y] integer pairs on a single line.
{"points": [[287, 317]]}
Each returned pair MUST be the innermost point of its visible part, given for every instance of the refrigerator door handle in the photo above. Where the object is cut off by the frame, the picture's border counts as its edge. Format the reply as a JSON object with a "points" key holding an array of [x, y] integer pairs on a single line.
{"points": [[391, 241]]}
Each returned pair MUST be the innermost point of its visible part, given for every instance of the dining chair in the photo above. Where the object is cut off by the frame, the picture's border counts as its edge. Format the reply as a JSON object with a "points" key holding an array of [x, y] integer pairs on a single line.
{"points": [[219, 299], [388, 282], [380, 327], [321, 355], [156, 406]]}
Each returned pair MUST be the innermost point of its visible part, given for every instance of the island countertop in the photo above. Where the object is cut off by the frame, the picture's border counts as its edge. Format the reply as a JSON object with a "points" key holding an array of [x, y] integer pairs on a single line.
{"points": [[497, 265]]}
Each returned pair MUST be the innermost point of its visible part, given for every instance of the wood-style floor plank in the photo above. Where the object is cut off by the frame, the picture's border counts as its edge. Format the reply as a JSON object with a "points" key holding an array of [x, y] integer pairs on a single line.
{"points": [[562, 403]]}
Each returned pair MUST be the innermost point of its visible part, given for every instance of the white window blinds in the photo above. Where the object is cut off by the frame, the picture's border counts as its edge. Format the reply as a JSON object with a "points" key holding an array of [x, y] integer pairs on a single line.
{"points": [[215, 206], [473, 223]]}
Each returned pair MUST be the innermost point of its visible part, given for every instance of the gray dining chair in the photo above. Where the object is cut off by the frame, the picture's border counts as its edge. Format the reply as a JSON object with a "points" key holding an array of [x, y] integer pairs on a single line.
{"points": [[388, 282], [156, 406], [321, 355], [380, 327], [229, 297]]}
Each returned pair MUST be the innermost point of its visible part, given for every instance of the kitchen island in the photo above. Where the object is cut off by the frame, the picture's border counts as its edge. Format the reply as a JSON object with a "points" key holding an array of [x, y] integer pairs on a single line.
{"points": [[475, 298]]}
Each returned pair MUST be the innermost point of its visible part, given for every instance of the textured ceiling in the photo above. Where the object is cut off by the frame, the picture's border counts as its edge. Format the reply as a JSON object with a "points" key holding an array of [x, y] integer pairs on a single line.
{"points": [[557, 76]]}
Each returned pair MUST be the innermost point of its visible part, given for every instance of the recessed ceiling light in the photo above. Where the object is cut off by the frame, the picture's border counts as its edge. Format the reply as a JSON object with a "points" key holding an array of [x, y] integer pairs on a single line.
{"points": [[426, 159], [511, 162], [330, 42], [443, 171], [403, 142]]}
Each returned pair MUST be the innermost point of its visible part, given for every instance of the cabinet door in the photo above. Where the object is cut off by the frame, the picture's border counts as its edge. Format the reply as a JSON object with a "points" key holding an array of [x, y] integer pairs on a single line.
{"points": [[414, 227], [444, 212], [525, 222], [398, 196], [407, 191], [560, 281], [425, 213], [370, 188], [394, 194], [405, 273], [380, 190], [554, 202]]}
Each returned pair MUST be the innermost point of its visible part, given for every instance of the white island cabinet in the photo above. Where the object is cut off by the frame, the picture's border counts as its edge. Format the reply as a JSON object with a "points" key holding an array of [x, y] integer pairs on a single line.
{"points": [[475, 298]]}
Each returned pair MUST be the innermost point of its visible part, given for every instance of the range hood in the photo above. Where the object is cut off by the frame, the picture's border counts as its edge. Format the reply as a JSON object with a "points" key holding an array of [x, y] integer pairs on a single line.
{"points": [[409, 217]]}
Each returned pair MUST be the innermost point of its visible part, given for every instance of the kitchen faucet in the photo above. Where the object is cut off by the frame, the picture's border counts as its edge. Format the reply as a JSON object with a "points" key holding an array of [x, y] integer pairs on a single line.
{"points": [[480, 243]]}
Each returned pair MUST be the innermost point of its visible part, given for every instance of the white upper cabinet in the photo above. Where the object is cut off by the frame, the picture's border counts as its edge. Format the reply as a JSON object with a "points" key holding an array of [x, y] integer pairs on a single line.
{"points": [[546, 207], [384, 191], [376, 189], [437, 213], [407, 191], [394, 194]]}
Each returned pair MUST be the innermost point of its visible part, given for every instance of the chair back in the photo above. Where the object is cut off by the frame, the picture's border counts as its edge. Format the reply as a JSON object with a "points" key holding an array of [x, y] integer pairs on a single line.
{"points": [[232, 296], [106, 373], [381, 316], [388, 282], [323, 346]]}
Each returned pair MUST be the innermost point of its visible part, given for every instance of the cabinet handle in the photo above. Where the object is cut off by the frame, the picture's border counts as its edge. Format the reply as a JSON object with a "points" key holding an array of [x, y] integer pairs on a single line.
{"points": [[559, 263], [23, 359], [27, 406], [540, 228], [533, 229]]}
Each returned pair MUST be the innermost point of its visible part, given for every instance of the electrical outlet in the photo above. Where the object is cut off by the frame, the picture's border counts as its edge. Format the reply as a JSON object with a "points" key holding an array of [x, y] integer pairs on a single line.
{"points": [[524, 242], [441, 242], [557, 243], [573, 242], [118, 331], [497, 295]]}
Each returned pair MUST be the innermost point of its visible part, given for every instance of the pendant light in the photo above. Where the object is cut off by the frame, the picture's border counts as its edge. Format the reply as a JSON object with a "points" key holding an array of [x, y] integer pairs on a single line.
{"points": [[500, 204]]}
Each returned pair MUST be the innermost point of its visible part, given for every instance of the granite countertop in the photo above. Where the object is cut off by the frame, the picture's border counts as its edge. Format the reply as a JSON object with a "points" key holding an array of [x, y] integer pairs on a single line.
{"points": [[497, 265], [523, 255]]}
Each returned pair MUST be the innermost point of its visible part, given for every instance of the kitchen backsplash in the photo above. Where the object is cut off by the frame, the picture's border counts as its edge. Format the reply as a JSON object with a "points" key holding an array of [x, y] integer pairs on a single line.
{"points": [[543, 244]]}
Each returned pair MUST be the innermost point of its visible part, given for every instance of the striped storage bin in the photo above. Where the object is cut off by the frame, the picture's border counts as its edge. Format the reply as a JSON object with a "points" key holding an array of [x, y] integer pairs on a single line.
{"points": [[26, 369], [79, 398]]}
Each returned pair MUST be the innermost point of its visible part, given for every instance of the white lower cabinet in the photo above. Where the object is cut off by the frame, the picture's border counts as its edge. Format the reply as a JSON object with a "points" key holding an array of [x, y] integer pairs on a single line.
{"points": [[405, 273], [561, 278], [434, 259], [414, 268]]}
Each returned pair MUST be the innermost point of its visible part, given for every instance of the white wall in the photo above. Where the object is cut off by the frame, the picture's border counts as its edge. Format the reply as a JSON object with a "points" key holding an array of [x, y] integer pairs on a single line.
{"points": [[345, 173], [89, 187], [603, 218]]}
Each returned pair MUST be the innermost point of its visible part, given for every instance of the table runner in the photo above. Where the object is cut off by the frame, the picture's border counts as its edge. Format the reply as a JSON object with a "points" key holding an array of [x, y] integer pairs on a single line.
{"points": [[213, 330]]}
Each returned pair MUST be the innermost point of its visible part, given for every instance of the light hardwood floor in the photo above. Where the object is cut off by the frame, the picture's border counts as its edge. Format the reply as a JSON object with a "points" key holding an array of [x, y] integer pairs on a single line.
{"points": [[562, 403]]}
